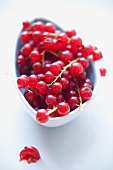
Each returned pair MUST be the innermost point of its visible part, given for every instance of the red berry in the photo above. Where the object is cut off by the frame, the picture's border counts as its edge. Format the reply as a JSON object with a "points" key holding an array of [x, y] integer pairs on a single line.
{"points": [[49, 77], [67, 74], [89, 81], [62, 41], [21, 60], [49, 27], [35, 56], [74, 102], [76, 69], [36, 103], [30, 95], [45, 35], [33, 79], [60, 98], [61, 63], [84, 62], [46, 67], [85, 93], [97, 55], [55, 68], [41, 77], [63, 108], [37, 26], [55, 45], [41, 116], [41, 87], [26, 24], [102, 71], [57, 87], [25, 36], [70, 33], [48, 43], [72, 50], [65, 82], [50, 91], [37, 67], [86, 50], [75, 42], [71, 93], [24, 70], [66, 56], [23, 81], [40, 46], [82, 77], [72, 85], [51, 100], [84, 84], [37, 36], [26, 49], [30, 154]]}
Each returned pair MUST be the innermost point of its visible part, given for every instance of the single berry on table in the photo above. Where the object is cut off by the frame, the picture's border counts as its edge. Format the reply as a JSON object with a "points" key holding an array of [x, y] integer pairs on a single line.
{"points": [[30, 154], [102, 71]]}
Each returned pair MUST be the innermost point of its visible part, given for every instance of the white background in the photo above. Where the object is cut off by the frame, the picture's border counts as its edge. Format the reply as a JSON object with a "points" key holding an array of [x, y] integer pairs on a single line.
{"points": [[87, 142]]}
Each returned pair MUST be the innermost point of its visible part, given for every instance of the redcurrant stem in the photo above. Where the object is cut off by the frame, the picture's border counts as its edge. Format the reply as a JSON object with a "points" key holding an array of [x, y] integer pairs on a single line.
{"points": [[80, 106], [29, 87], [52, 52], [64, 69], [11, 75], [43, 53], [54, 35], [52, 110], [30, 32], [35, 48]]}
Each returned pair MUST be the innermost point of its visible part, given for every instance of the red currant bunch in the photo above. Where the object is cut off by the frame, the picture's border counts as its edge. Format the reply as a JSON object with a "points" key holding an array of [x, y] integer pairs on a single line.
{"points": [[52, 69]]}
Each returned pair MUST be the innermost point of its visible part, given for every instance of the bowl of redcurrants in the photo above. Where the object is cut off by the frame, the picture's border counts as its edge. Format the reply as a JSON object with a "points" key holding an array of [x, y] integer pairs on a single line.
{"points": [[55, 72]]}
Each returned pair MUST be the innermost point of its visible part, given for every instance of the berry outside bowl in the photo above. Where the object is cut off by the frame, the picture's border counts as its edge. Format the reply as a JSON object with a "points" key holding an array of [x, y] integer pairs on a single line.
{"points": [[92, 73]]}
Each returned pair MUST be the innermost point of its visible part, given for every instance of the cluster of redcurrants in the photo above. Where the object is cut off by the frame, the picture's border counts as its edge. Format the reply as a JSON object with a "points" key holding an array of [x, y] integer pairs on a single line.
{"points": [[52, 67]]}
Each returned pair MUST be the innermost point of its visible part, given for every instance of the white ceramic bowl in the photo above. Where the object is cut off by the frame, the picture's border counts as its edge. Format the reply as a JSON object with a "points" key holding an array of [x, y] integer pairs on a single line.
{"points": [[93, 74]]}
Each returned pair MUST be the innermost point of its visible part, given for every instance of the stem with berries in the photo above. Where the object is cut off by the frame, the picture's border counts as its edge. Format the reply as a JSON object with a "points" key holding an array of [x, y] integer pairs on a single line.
{"points": [[64, 69]]}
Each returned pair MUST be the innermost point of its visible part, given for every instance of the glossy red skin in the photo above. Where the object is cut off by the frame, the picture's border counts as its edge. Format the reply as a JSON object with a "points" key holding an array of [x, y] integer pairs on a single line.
{"points": [[30, 154]]}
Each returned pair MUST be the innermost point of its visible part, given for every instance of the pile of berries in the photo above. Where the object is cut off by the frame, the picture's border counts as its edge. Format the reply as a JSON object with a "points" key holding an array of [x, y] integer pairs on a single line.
{"points": [[52, 66]]}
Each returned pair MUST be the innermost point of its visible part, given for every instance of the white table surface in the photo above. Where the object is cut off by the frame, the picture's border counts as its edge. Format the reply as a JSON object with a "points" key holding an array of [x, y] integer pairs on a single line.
{"points": [[87, 142]]}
